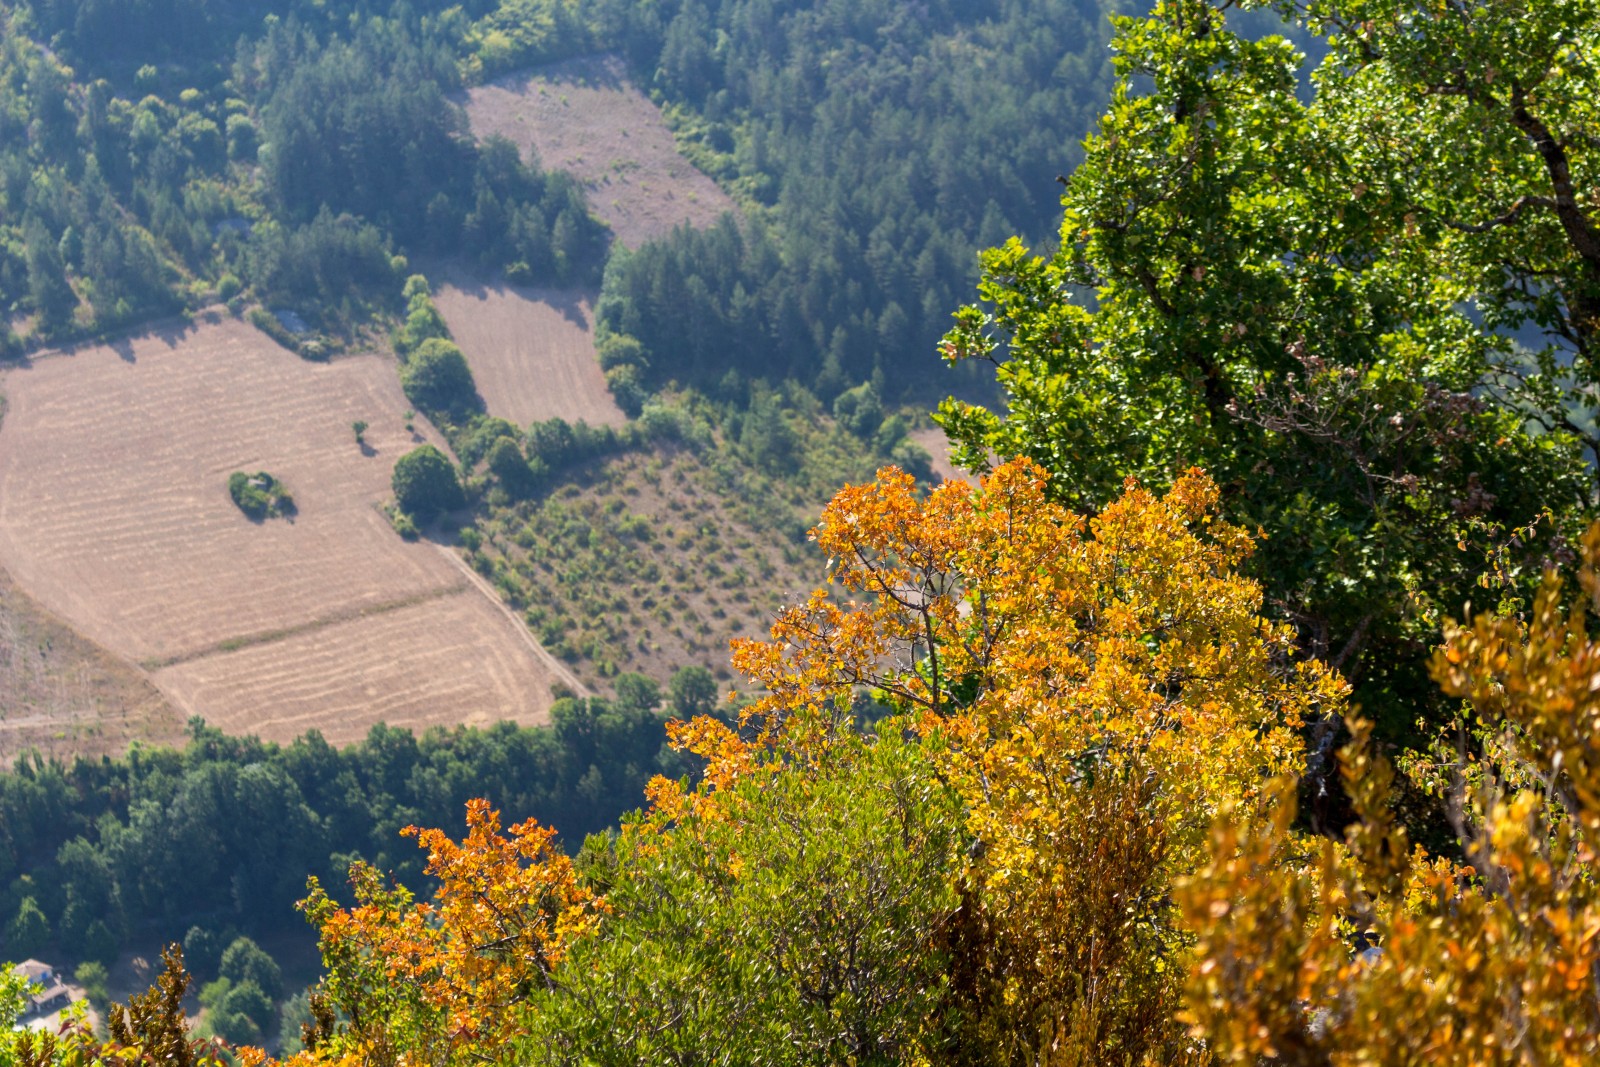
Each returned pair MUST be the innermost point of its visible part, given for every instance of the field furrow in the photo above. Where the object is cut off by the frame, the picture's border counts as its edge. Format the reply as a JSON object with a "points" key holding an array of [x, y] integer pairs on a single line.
{"points": [[531, 350]]}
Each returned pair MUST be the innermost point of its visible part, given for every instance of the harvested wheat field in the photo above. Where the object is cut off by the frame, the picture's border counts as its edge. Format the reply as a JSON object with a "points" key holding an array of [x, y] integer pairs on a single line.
{"points": [[585, 117], [531, 350], [115, 515], [63, 695], [341, 677]]}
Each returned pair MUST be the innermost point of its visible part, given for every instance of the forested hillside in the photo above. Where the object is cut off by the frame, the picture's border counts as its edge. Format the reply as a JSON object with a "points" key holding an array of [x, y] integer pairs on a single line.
{"points": [[879, 144], [288, 151], [1246, 711], [223, 833]]}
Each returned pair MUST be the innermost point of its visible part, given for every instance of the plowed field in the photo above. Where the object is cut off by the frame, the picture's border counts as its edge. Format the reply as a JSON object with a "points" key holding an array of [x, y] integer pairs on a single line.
{"points": [[585, 117], [115, 515], [531, 350]]}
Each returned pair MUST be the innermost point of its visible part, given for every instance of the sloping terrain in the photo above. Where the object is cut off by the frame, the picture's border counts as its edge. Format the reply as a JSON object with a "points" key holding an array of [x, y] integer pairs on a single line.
{"points": [[933, 440], [648, 562], [62, 694], [115, 514], [531, 350], [585, 117]]}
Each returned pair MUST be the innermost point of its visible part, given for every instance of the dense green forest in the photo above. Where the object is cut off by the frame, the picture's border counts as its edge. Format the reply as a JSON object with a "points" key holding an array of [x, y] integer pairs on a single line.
{"points": [[288, 152], [886, 142], [223, 833]]}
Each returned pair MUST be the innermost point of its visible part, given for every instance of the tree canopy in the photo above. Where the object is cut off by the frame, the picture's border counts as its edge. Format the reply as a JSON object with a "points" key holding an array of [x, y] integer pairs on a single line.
{"points": [[425, 483], [1365, 313]]}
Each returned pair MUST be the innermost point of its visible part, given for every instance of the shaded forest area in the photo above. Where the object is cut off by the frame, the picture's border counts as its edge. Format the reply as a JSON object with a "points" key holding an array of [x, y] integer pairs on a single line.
{"points": [[223, 833], [288, 152]]}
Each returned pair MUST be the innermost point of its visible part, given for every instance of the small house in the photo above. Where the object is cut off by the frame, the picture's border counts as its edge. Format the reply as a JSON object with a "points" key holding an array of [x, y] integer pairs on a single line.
{"points": [[47, 993]]}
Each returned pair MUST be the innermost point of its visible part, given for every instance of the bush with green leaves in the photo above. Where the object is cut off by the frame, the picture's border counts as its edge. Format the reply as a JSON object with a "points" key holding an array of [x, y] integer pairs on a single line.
{"points": [[425, 483], [859, 410], [260, 495], [28, 931], [510, 468], [693, 691], [438, 381], [245, 962], [92, 976], [423, 320]]}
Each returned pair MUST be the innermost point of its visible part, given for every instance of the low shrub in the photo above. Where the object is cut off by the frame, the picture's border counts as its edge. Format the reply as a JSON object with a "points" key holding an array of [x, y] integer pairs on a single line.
{"points": [[260, 495]]}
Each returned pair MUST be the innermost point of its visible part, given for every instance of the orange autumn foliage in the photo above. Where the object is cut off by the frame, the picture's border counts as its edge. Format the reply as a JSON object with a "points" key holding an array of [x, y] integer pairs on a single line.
{"points": [[1096, 691], [1093, 691], [440, 982], [1490, 961]]}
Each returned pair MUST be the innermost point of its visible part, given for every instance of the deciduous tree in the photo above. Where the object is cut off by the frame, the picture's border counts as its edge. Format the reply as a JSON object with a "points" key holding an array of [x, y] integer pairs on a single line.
{"points": [[1371, 950], [1314, 301]]}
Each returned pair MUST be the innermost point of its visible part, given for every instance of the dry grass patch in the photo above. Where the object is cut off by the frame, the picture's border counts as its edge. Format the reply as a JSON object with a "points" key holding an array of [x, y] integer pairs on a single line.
{"points": [[61, 694], [933, 440], [585, 117], [531, 350], [439, 660], [115, 514]]}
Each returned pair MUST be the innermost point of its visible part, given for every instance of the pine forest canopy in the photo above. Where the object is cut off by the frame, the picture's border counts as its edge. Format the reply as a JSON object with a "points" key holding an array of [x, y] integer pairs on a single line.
{"points": [[287, 151]]}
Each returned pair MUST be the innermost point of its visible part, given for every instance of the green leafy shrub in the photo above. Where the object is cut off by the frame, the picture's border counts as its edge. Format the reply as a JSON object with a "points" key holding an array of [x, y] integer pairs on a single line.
{"points": [[246, 962], [425, 483], [859, 410], [260, 495], [627, 388], [511, 469], [438, 381], [94, 980], [29, 930]]}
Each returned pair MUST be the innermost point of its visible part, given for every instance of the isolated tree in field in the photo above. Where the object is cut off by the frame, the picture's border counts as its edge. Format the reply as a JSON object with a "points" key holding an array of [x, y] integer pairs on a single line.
{"points": [[437, 380], [1311, 301], [425, 483]]}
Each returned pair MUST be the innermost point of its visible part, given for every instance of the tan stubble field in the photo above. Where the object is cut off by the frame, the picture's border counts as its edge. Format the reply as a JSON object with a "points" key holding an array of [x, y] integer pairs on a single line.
{"points": [[115, 516], [532, 349]]}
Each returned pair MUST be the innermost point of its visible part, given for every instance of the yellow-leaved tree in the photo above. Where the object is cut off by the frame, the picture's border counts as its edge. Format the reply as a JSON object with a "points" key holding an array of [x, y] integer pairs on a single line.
{"points": [[1095, 690], [1073, 701], [1493, 959]]}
